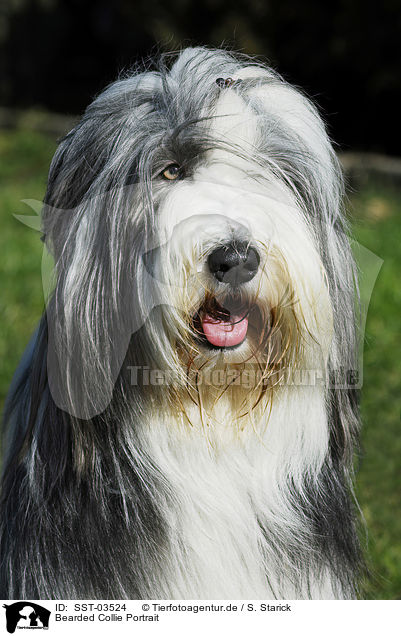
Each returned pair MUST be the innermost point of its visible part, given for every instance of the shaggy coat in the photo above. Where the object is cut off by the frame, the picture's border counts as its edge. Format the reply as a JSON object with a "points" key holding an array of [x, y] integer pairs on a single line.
{"points": [[142, 460]]}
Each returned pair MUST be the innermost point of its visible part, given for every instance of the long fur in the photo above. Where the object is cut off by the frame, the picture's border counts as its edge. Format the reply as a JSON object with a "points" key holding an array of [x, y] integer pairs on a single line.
{"points": [[116, 487]]}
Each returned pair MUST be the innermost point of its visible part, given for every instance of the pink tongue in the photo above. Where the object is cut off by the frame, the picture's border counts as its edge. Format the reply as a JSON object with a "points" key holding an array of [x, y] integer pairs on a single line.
{"points": [[221, 333]]}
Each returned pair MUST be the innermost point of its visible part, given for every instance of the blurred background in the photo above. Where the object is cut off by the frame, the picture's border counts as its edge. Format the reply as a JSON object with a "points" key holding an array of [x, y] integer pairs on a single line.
{"points": [[55, 55]]}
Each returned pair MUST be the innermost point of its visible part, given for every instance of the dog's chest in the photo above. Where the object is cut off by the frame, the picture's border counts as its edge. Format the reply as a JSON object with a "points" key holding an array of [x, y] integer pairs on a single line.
{"points": [[215, 540]]}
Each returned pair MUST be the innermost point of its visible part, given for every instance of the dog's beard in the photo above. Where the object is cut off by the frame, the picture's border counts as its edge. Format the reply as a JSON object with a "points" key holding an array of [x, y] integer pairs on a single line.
{"points": [[234, 353]]}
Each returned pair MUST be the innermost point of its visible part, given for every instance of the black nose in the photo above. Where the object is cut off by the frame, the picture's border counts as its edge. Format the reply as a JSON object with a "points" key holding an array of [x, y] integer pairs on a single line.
{"points": [[235, 263]]}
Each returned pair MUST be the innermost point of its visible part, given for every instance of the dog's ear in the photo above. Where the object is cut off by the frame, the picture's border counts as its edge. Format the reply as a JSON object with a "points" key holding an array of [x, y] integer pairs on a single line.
{"points": [[87, 220], [93, 220], [91, 314]]}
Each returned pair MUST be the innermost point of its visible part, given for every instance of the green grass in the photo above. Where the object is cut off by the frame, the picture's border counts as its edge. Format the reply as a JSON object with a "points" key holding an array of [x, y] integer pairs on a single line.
{"points": [[24, 161], [377, 226]]}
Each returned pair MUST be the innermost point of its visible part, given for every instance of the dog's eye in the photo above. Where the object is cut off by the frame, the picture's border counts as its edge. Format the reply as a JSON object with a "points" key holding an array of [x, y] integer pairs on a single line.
{"points": [[172, 172]]}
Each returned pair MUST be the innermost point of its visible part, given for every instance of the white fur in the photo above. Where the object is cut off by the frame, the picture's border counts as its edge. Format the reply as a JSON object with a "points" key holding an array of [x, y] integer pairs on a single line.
{"points": [[224, 482]]}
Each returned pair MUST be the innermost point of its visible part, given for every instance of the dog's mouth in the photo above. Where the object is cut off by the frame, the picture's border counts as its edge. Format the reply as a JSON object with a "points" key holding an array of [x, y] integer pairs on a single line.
{"points": [[222, 325]]}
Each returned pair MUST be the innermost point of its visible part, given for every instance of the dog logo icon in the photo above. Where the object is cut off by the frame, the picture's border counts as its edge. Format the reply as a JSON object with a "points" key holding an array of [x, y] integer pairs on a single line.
{"points": [[26, 615]]}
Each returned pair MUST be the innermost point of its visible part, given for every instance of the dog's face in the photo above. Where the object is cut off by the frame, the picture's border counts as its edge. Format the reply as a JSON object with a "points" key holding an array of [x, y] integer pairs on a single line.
{"points": [[238, 270], [201, 223]]}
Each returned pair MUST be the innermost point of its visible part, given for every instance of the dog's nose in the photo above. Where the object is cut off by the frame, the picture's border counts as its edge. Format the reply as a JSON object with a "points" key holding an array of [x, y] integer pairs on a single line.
{"points": [[235, 263]]}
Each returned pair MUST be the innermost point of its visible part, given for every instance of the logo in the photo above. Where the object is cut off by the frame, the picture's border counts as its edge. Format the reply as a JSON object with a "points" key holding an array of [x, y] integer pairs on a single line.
{"points": [[26, 615]]}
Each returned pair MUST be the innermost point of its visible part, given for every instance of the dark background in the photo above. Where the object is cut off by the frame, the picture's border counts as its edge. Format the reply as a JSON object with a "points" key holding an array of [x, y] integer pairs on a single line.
{"points": [[57, 54]]}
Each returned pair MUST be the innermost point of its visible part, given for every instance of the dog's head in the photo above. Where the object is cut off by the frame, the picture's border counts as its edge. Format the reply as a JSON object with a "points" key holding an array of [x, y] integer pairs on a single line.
{"points": [[194, 216]]}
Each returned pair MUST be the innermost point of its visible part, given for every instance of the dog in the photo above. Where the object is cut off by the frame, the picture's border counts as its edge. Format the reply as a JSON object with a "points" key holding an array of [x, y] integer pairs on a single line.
{"points": [[173, 429]]}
